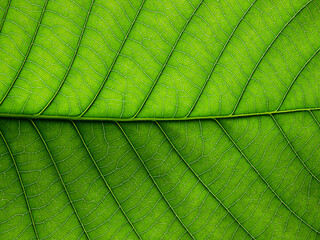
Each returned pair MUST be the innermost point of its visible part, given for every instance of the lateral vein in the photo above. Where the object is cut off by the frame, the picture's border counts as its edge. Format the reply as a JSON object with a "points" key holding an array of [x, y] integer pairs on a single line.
{"points": [[265, 52], [5, 15], [60, 177], [200, 180], [218, 58], [292, 148], [263, 179], [104, 179], [114, 60], [21, 184], [27, 54], [153, 180], [167, 60], [72, 60]]}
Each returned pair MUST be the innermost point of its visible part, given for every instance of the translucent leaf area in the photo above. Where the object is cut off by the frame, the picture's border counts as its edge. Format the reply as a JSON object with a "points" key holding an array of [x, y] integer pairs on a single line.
{"points": [[158, 119]]}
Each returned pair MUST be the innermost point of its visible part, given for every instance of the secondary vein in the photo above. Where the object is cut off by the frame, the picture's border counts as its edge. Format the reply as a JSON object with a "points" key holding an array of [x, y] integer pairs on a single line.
{"points": [[72, 60], [114, 60], [292, 148], [218, 58], [153, 180], [296, 77], [27, 54], [263, 179], [21, 184], [314, 118], [104, 180], [5, 15], [167, 60], [265, 52], [60, 177], [200, 180]]}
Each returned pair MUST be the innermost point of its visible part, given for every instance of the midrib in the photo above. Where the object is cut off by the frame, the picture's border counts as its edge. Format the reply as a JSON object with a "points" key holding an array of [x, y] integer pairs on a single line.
{"points": [[77, 118]]}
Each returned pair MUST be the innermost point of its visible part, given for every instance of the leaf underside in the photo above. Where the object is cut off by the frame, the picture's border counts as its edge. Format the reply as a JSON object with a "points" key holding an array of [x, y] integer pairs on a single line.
{"points": [[184, 119]]}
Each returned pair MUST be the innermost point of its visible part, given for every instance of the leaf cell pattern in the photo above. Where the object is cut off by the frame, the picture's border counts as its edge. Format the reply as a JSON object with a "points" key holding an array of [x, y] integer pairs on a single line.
{"points": [[183, 119], [158, 60], [151, 180]]}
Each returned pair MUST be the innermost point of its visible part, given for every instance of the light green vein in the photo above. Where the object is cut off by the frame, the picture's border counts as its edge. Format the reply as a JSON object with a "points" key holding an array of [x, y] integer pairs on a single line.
{"points": [[200, 180], [153, 180], [60, 177], [21, 184], [295, 78], [72, 60], [292, 148], [265, 52], [27, 54], [5, 15], [218, 58], [104, 180], [167, 60], [30, 116], [263, 179], [114, 60]]}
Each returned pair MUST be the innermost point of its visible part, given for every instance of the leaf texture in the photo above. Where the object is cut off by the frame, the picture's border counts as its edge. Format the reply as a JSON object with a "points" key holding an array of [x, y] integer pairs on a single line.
{"points": [[183, 119], [153, 59], [198, 179]]}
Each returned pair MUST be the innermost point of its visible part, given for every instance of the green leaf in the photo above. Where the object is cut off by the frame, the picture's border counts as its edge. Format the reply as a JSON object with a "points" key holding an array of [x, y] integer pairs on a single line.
{"points": [[189, 119]]}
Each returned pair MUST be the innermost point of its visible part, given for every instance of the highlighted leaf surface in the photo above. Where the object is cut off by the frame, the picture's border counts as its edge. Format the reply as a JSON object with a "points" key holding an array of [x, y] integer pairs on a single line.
{"points": [[231, 92]]}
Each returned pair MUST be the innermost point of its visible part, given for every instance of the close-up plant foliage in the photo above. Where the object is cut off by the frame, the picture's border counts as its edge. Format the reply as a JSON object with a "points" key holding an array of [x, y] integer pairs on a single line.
{"points": [[159, 119]]}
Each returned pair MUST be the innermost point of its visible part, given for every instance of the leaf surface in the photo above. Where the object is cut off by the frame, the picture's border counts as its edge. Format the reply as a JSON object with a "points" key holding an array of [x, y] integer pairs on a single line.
{"points": [[189, 119]]}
